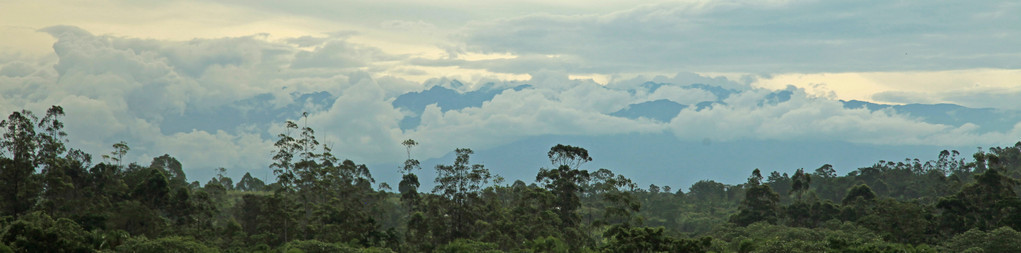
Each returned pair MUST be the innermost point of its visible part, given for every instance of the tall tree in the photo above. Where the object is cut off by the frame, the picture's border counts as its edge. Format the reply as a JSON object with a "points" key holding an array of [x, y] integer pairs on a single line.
{"points": [[988, 203], [283, 158], [63, 173], [780, 183], [800, 183], [171, 167], [51, 138], [761, 203], [154, 190], [119, 150], [335, 198], [417, 233], [250, 183], [616, 195], [565, 183], [460, 184], [20, 186], [409, 184]]}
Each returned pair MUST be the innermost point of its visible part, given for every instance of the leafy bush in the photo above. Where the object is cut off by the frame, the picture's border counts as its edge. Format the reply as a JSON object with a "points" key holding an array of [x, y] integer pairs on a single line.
{"points": [[37, 232], [466, 246], [172, 244]]}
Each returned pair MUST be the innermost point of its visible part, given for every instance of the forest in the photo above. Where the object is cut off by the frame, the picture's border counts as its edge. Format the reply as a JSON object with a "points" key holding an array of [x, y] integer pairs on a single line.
{"points": [[54, 198]]}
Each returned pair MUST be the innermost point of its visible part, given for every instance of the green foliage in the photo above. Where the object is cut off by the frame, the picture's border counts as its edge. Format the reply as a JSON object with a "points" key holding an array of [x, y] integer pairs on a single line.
{"points": [[988, 203], [902, 222], [800, 183], [833, 236], [249, 183], [809, 214], [1003, 239], [466, 246], [119, 150], [171, 168], [20, 153], [565, 182], [708, 191], [137, 219], [547, 244], [332, 200], [761, 203], [459, 187], [38, 232], [266, 218], [859, 193], [172, 244], [567, 155], [624, 238], [53, 199], [154, 190], [314, 246]]}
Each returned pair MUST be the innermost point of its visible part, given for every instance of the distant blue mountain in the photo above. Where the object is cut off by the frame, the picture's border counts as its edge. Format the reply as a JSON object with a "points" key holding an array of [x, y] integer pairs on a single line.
{"points": [[447, 99], [707, 104], [661, 110], [720, 92], [651, 86], [777, 97], [986, 119], [949, 114], [665, 110]]}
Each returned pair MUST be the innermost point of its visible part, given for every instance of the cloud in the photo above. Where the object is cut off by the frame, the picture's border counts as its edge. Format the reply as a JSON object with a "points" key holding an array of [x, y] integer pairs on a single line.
{"points": [[684, 96], [512, 115], [999, 98], [409, 26], [246, 151], [16, 69], [985, 98], [362, 124], [340, 54], [904, 97], [744, 116], [762, 37], [158, 96], [120, 88]]}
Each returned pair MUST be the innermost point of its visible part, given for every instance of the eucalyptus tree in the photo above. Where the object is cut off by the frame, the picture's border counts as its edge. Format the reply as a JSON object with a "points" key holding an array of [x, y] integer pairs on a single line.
{"points": [[800, 183], [565, 182], [761, 203], [250, 183], [23, 150], [119, 150], [417, 231], [990, 202], [409, 184], [460, 185], [335, 197], [171, 167]]}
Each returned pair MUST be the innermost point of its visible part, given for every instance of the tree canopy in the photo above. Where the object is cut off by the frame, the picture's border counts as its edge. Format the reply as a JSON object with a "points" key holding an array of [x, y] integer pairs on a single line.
{"points": [[53, 198]]}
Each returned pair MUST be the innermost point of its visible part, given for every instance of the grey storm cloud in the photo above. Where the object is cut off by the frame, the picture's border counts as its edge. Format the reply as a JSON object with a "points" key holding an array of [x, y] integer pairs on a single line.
{"points": [[764, 36]]}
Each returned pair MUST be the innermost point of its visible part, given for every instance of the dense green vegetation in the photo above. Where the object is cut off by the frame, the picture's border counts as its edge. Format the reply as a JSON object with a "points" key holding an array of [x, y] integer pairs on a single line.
{"points": [[55, 199]]}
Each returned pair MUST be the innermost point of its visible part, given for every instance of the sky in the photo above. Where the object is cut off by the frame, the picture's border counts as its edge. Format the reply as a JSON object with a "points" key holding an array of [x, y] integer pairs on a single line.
{"points": [[211, 82]]}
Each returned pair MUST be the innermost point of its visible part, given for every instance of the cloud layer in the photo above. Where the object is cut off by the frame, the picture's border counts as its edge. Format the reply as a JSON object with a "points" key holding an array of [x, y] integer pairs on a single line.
{"points": [[760, 37], [219, 101]]}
